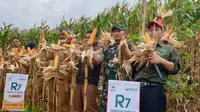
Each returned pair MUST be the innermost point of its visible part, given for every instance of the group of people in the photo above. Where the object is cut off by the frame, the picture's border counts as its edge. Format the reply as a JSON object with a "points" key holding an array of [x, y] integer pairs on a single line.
{"points": [[152, 91]]}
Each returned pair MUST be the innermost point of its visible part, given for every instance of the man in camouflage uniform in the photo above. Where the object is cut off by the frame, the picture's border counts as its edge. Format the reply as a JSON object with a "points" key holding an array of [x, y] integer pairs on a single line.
{"points": [[152, 91], [110, 68]]}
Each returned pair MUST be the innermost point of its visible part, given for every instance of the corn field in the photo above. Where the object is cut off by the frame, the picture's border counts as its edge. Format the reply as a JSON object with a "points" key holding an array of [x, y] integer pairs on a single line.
{"points": [[52, 67]]}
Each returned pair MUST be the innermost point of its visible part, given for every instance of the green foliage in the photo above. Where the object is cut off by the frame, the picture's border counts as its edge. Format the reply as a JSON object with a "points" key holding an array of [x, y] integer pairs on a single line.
{"points": [[29, 109]]}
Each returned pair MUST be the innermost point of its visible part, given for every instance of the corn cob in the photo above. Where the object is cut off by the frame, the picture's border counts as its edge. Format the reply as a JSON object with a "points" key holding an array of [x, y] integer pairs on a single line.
{"points": [[146, 38], [67, 45], [41, 35], [2, 61], [93, 35], [169, 34], [56, 60], [66, 34], [29, 51], [16, 53], [72, 41], [58, 44], [22, 51], [32, 52]]}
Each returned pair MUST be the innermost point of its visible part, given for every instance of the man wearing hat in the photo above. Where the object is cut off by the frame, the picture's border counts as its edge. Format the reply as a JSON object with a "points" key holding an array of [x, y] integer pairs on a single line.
{"points": [[110, 53], [152, 91]]}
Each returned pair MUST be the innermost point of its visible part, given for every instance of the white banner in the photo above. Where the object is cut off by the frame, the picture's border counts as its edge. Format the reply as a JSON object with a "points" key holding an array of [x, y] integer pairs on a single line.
{"points": [[123, 96], [14, 92]]}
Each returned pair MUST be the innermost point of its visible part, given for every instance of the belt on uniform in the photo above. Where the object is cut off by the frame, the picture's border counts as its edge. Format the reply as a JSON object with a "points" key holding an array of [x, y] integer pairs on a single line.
{"points": [[144, 84]]}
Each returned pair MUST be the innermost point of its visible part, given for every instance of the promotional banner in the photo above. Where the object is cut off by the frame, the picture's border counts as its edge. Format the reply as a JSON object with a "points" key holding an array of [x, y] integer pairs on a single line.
{"points": [[14, 92], [123, 96]]}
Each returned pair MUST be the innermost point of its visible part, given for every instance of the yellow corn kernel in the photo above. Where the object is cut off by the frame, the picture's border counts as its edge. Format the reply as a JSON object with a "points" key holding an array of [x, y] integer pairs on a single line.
{"points": [[66, 34], [56, 60], [67, 45], [93, 35]]}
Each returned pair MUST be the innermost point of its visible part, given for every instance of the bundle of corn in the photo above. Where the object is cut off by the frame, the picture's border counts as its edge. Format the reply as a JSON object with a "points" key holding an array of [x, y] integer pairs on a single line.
{"points": [[106, 39], [144, 49], [171, 39], [60, 75], [124, 69]]}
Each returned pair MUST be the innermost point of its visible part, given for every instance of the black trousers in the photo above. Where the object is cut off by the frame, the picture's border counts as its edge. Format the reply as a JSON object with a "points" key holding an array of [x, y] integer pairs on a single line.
{"points": [[152, 99]]}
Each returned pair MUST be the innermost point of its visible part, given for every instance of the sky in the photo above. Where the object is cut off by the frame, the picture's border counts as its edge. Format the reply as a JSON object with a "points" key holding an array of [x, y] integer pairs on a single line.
{"points": [[25, 13]]}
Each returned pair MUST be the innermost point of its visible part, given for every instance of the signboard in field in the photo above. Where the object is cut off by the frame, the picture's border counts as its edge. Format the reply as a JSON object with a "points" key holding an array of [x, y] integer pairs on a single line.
{"points": [[14, 92], [123, 96]]}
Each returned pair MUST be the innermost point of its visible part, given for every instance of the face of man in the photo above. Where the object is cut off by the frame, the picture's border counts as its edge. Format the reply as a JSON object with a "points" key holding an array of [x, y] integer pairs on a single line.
{"points": [[155, 32], [16, 43], [62, 38], [118, 35], [87, 37]]}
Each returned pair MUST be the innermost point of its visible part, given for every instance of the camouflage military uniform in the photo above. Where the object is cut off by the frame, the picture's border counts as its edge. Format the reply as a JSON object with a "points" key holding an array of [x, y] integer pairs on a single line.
{"points": [[110, 70]]}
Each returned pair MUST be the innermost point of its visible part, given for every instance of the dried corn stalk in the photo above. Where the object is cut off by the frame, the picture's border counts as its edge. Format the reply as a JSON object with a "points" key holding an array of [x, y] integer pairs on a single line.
{"points": [[170, 39]]}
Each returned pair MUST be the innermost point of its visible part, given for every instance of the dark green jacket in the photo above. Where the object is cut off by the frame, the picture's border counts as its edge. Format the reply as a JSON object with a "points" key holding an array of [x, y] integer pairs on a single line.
{"points": [[149, 74]]}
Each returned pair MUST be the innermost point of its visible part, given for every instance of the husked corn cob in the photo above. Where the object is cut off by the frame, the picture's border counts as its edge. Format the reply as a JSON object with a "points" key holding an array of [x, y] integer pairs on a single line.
{"points": [[16, 53], [93, 35], [58, 44], [72, 41], [169, 34], [41, 35], [66, 34], [22, 51], [56, 60], [32, 52], [2, 61], [29, 51], [67, 45], [146, 38]]}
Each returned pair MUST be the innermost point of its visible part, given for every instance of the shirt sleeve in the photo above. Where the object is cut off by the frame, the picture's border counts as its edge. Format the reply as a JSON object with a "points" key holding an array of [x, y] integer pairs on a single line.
{"points": [[175, 59]]}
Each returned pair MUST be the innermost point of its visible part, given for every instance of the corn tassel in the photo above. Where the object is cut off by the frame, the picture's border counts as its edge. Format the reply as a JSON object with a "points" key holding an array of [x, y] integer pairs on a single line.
{"points": [[66, 34], [93, 35], [56, 60]]}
